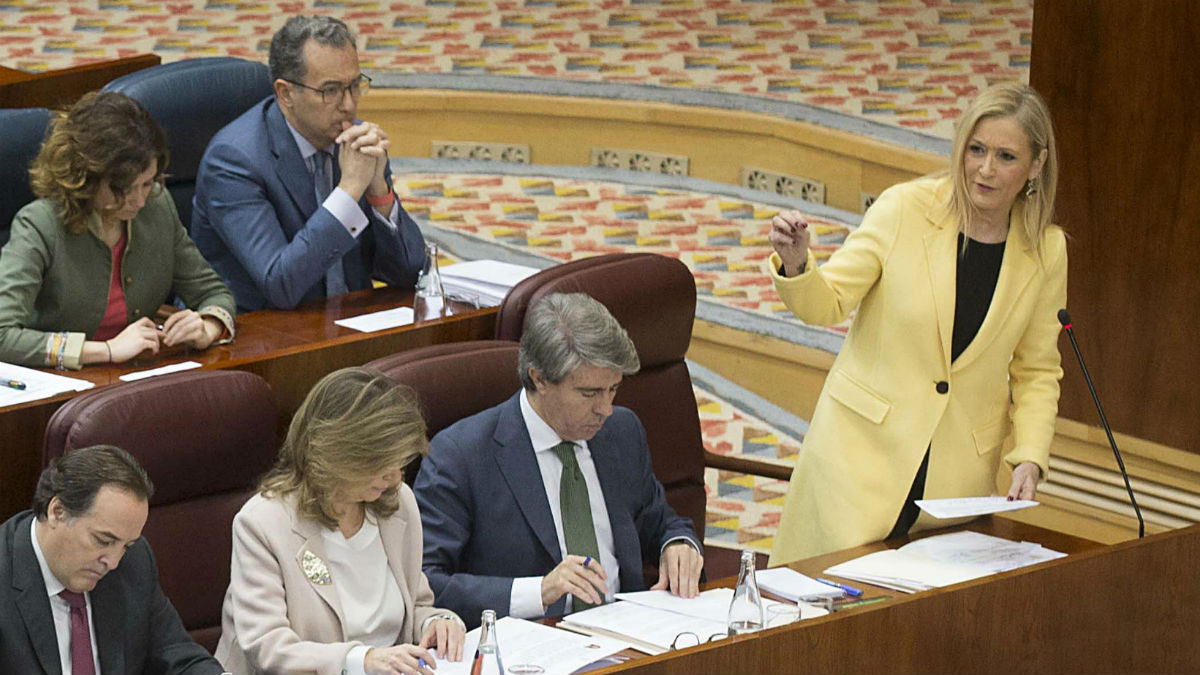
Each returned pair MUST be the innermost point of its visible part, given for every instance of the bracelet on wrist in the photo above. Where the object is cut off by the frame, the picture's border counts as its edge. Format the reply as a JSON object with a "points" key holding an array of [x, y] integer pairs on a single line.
{"points": [[385, 200], [109, 348]]}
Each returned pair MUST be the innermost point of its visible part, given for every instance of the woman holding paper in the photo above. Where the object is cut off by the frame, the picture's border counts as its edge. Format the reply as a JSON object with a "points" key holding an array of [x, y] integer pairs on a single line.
{"points": [[88, 266], [957, 278], [326, 570]]}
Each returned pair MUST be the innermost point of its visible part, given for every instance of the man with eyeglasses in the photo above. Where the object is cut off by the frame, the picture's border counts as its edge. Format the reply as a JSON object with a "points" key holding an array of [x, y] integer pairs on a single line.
{"points": [[294, 198]]}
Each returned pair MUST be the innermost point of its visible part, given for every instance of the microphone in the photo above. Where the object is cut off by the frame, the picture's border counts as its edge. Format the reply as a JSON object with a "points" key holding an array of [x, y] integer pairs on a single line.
{"points": [[1065, 319]]}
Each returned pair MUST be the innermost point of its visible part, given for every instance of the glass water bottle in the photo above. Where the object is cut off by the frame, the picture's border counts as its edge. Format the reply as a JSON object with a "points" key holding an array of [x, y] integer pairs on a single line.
{"points": [[746, 608], [487, 656], [429, 301]]}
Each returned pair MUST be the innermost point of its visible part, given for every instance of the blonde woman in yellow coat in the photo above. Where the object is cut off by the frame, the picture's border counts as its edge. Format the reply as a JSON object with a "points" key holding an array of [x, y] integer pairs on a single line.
{"points": [[957, 279]]}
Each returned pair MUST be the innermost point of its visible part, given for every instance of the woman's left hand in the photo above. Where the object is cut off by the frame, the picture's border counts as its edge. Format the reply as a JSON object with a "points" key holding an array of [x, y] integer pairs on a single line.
{"points": [[447, 636], [188, 327], [1024, 481]]}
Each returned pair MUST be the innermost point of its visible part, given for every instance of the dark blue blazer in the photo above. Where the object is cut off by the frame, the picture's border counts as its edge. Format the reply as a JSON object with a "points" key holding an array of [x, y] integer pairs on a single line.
{"points": [[256, 220], [137, 629], [487, 520]]}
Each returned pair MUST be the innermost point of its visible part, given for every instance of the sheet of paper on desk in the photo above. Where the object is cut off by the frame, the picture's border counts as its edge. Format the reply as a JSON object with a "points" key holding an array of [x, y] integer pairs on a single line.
{"points": [[38, 384], [712, 604], [965, 507], [790, 584], [980, 550], [388, 318], [483, 282], [556, 651], [154, 372], [905, 572], [648, 629]]}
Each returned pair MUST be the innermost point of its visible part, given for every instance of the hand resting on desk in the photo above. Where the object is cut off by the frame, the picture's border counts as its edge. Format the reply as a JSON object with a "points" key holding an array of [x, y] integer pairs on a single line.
{"points": [[679, 570]]}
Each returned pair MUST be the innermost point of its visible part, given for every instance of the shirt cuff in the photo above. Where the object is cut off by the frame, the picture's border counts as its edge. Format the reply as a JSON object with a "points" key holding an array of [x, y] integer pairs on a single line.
{"points": [[226, 320], [525, 599], [356, 661], [679, 538], [392, 219], [346, 210]]}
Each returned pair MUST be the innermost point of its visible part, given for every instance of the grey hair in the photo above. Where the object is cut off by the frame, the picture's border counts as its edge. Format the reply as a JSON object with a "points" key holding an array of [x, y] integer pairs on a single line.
{"points": [[286, 57], [564, 331]]}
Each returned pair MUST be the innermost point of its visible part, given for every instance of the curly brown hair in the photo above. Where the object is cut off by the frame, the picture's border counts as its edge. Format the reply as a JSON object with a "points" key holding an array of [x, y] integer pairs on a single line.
{"points": [[104, 135], [354, 424]]}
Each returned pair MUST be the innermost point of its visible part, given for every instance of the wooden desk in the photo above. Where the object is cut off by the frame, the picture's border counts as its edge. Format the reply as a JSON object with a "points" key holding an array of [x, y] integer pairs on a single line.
{"points": [[290, 349], [1130, 607], [56, 88]]}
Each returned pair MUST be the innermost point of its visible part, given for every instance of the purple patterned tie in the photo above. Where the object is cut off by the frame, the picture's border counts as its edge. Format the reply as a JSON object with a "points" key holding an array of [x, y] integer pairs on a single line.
{"points": [[81, 638]]}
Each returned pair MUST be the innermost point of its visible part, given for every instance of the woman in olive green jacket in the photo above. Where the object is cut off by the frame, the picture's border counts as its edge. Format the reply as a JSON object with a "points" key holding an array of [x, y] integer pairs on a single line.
{"points": [[88, 265]]}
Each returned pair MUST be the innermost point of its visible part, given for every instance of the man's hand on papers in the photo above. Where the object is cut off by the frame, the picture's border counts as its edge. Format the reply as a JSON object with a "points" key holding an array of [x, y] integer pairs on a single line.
{"points": [[1024, 481], [679, 570], [570, 576]]}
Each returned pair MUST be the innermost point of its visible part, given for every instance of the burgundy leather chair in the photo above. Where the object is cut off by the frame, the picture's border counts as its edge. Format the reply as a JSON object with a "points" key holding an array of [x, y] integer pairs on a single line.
{"points": [[654, 298], [454, 380], [204, 437]]}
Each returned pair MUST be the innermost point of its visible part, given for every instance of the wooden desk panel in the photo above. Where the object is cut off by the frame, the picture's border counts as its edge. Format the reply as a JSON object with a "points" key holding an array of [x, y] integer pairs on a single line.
{"points": [[1131, 607], [290, 349], [57, 88]]}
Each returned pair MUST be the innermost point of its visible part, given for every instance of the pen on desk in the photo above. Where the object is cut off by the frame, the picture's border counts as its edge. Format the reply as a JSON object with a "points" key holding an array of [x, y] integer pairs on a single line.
{"points": [[860, 603], [15, 384], [850, 590]]}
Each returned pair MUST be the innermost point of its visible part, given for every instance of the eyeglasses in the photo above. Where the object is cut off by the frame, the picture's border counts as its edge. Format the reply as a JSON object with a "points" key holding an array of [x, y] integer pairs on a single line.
{"points": [[332, 93], [689, 639]]}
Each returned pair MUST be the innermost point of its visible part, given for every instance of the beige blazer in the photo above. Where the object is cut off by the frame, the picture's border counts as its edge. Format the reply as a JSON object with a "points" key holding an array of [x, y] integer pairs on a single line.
{"points": [[281, 615], [880, 407]]}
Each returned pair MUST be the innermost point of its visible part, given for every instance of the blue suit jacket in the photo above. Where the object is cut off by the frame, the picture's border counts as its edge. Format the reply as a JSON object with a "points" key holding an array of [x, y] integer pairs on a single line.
{"points": [[257, 221], [137, 629], [486, 517]]}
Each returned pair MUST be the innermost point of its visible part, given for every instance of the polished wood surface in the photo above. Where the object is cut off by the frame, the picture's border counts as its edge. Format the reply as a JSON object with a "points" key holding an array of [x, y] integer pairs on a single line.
{"points": [[290, 349], [1131, 607], [1121, 83], [57, 88]]}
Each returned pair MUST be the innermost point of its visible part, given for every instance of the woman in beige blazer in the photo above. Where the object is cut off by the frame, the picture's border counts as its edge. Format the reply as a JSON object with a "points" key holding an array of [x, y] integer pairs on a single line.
{"points": [[326, 571], [957, 279]]}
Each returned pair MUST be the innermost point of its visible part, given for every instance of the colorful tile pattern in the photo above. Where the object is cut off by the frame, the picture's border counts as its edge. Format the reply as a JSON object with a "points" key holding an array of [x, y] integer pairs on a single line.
{"points": [[911, 63], [722, 240]]}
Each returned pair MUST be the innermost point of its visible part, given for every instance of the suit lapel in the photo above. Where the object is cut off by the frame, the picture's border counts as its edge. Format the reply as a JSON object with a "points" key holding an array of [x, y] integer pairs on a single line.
{"points": [[314, 547], [940, 251], [32, 601], [391, 533], [1016, 271], [108, 603], [287, 159], [519, 467]]}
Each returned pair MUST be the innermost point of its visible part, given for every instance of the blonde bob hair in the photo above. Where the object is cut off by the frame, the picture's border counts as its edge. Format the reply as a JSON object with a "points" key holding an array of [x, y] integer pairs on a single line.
{"points": [[355, 424], [1025, 106]]}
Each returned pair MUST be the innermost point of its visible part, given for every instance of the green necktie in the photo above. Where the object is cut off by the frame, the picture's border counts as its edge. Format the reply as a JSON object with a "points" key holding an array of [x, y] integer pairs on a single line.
{"points": [[578, 528]]}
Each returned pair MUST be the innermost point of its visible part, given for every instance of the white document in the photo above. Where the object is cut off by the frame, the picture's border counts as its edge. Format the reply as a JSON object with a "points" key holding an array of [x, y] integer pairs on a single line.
{"points": [[38, 385], [965, 507], [712, 604], [647, 629], [483, 283], [526, 642], [164, 370], [980, 550], [790, 584], [388, 318]]}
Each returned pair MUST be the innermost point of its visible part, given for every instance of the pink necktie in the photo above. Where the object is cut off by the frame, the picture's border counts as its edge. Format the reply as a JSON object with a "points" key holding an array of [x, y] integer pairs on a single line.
{"points": [[81, 637]]}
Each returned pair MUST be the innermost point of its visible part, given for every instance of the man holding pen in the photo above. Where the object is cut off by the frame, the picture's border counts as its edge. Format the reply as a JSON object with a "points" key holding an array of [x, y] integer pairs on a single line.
{"points": [[546, 503]]}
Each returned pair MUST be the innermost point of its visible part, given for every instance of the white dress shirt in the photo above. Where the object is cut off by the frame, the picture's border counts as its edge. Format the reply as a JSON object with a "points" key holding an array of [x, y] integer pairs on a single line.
{"points": [[525, 600], [372, 604], [339, 202], [61, 611]]}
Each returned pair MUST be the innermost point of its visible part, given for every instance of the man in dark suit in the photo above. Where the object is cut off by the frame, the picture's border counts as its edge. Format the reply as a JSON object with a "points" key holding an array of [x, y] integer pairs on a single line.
{"points": [[69, 608], [547, 502], [294, 198]]}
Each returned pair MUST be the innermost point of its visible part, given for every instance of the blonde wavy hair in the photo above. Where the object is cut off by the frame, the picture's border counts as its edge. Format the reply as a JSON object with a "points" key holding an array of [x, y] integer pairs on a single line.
{"points": [[1025, 106], [355, 424], [104, 135]]}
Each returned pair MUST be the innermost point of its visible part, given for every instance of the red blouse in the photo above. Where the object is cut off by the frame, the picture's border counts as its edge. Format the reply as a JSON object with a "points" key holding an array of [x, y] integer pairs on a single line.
{"points": [[116, 317]]}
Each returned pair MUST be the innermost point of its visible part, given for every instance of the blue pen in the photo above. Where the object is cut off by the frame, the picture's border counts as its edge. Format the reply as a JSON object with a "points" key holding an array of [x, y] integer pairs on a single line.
{"points": [[850, 590], [421, 663], [587, 561]]}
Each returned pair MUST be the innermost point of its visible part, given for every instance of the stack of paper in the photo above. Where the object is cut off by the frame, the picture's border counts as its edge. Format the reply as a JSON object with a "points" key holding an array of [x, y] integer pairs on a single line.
{"points": [[528, 643], [790, 584], [37, 384], [483, 283], [943, 560], [967, 507]]}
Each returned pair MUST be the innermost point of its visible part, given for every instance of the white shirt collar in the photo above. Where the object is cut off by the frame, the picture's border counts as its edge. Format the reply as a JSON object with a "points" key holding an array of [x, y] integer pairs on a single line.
{"points": [[541, 435], [53, 585], [307, 149]]}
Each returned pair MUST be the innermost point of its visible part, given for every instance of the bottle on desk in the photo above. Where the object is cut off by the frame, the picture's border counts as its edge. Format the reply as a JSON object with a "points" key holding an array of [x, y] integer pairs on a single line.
{"points": [[429, 302], [746, 608], [487, 655]]}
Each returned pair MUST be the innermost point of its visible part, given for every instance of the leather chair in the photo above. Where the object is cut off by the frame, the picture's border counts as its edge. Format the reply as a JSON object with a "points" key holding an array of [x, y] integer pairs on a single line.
{"points": [[654, 299], [454, 380], [24, 131], [204, 437], [192, 100]]}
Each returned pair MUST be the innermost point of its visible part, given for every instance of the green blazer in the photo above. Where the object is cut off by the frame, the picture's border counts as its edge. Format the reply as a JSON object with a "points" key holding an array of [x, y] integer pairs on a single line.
{"points": [[54, 281]]}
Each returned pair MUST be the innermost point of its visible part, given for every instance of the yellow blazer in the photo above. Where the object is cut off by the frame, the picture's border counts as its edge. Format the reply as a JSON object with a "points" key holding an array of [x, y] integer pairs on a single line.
{"points": [[880, 407], [281, 616]]}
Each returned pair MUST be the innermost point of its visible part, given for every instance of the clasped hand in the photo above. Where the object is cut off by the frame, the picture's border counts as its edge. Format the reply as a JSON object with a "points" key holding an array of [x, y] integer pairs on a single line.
{"points": [[185, 327], [362, 158]]}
